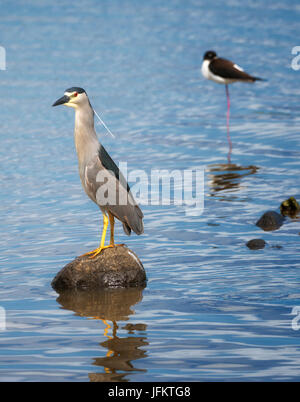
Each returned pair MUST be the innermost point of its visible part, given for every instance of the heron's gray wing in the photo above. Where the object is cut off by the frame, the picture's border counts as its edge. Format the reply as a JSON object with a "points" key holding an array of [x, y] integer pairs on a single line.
{"points": [[112, 194], [109, 164]]}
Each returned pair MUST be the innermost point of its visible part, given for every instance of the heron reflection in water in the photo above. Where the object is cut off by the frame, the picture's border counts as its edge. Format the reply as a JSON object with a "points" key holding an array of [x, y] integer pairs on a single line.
{"points": [[111, 306]]}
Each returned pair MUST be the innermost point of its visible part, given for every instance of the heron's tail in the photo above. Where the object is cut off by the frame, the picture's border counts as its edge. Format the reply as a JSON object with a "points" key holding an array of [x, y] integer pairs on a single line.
{"points": [[134, 221]]}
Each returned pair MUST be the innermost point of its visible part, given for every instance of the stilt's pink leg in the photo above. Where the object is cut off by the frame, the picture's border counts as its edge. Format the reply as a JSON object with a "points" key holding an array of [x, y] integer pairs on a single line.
{"points": [[228, 132]]}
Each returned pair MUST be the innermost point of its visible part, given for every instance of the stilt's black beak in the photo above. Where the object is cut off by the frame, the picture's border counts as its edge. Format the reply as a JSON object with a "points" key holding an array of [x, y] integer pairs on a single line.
{"points": [[61, 101]]}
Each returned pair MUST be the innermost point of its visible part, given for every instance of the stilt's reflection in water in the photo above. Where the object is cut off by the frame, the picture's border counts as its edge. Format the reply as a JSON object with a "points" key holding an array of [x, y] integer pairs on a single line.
{"points": [[227, 176], [111, 306]]}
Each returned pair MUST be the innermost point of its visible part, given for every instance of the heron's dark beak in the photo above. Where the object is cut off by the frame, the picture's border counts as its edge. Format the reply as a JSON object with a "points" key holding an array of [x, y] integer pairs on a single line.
{"points": [[61, 101]]}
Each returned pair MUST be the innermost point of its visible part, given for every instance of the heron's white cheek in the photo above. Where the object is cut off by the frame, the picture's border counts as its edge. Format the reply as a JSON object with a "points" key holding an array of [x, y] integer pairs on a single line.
{"points": [[73, 105]]}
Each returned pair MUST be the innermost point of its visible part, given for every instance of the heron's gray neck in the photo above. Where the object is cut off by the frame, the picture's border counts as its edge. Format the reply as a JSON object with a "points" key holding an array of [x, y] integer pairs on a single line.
{"points": [[86, 141], [84, 119]]}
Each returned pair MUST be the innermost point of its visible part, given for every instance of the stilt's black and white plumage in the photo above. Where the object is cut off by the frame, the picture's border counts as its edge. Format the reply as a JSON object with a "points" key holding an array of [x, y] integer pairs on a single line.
{"points": [[223, 71], [226, 72]]}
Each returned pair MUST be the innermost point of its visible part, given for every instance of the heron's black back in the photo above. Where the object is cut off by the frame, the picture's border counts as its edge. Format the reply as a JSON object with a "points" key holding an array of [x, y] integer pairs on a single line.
{"points": [[110, 165]]}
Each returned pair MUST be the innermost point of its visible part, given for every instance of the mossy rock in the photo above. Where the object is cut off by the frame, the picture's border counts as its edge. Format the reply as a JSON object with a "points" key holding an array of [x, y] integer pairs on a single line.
{"points": [[290, 207]]}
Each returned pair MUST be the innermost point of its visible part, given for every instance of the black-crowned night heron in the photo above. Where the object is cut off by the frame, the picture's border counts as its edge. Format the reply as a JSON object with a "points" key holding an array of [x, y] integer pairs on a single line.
{"points": [[100, 177]]}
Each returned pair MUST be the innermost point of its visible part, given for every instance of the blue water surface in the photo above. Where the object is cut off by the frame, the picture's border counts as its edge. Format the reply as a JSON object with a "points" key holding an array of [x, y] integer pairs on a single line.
{"points": [[212, 309]]}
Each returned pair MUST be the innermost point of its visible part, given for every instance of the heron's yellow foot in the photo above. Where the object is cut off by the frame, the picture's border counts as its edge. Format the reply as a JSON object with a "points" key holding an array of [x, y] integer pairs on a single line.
{"points": [[95, 252], [98, 251]]}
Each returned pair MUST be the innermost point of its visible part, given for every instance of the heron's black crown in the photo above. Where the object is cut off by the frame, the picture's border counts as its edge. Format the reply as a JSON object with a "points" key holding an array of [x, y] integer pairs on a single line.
{"points": [[75, 89], [209, 55]]}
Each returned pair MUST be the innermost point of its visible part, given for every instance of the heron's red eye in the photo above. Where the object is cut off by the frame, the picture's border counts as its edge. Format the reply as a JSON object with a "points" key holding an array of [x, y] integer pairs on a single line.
{"points": [[75, 94]]}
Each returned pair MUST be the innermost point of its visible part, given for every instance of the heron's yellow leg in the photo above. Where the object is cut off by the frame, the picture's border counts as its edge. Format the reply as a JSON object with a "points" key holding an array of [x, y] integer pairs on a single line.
{"points": [[105, 225], [101, 247], [112, 231], [106, 220]]}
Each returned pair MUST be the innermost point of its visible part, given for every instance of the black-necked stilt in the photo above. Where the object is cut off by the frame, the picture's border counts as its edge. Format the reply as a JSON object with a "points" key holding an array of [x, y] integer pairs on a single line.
{"points": [[226, 72]]}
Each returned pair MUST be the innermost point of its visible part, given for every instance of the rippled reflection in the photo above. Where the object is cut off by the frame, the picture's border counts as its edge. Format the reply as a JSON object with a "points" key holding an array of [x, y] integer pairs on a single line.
{"points": [[111, 306], [227, 176]]}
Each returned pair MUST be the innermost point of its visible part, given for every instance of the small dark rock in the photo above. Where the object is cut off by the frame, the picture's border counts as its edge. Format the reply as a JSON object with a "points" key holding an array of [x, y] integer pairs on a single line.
{"points": [[256, 244], [270, 220], [116, 267]]}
